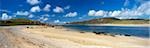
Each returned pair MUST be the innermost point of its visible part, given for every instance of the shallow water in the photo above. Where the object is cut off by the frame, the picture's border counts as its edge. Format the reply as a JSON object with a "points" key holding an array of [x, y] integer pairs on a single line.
{"points": [[137, 31]]}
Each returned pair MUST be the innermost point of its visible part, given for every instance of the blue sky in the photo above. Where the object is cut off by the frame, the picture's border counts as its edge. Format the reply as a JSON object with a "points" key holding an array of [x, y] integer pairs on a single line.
{"points": [[62, 11]]}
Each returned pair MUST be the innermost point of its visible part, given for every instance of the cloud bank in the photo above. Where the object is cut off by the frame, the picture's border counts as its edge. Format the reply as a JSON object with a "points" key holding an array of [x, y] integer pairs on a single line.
{"points": [[71, 14], [5, 16], [33, 2], [24, 13], [47, 8], [35, 9], [58, 9], [142, 10]]}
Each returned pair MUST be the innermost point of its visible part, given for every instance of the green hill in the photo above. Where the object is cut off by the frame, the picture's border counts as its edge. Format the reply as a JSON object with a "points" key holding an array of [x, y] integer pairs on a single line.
{"points": [[113, 21], [19, 21]]}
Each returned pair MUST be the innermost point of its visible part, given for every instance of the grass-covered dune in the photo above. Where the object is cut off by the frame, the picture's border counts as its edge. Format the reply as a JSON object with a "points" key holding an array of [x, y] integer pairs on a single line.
{"points": [[19, 21], [114, 21]]}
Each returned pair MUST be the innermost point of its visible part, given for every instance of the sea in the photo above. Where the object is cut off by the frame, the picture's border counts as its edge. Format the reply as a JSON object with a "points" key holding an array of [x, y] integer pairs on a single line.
{"points": [[138, 31]]}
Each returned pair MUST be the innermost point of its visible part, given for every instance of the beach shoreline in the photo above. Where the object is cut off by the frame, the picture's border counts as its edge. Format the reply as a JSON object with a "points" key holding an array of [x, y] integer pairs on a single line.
{"points": [[60, 37]]}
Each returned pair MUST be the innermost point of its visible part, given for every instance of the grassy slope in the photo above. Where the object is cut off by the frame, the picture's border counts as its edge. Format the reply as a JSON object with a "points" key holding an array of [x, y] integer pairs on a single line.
{"points": [[19, 21], [113, 21]]}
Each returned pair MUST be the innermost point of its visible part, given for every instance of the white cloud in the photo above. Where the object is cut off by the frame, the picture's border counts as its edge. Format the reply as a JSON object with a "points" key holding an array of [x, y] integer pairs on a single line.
{"points": [[33, 2], [128, 12], [67, 7], [5, 16], [71, 14], [142, 10], [64, 22], [47, 8], [35, 9], [114, 13], [45, 19], [53, 15], [58, 10], [56, 21], [147, 12], [41, 18], [96, 13], [91, 13], [46, 15], [100, 13], [31, 16], [24, 13], [145, 8], [1, 10]]}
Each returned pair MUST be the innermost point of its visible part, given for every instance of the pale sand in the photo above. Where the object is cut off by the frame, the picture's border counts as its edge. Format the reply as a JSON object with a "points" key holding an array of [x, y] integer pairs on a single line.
{"points": [[64, 38]]}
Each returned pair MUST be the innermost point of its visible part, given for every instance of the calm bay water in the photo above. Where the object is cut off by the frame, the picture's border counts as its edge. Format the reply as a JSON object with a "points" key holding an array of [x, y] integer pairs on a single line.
{"points": [[130, 30]]}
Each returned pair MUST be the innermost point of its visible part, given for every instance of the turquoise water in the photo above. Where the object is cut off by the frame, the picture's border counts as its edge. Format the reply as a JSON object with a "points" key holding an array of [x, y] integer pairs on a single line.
{"points": [[130, 30]]}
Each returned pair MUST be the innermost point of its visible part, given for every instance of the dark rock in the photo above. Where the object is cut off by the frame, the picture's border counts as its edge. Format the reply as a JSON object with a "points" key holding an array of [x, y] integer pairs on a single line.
{"points": [[27, 27], [127, 35], [102, 32], [99, 32], [96, 32], [112, 35], [53, 26], [105, 33], [82, 32]]}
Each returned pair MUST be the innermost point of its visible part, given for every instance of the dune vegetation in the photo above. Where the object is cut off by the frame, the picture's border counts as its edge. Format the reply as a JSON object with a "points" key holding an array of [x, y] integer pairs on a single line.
{"points": [[19, 21]]}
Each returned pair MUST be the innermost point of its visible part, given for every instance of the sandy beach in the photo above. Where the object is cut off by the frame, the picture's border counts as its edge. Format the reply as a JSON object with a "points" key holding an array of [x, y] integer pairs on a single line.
{"points": [[58, 37]]}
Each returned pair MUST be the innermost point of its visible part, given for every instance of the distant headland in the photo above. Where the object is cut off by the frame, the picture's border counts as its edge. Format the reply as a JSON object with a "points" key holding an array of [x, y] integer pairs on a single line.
{"points": [[113, 21]]}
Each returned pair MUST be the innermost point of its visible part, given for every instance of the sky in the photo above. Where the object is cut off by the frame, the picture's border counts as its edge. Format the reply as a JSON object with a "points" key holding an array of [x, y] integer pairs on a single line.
{"points": [[63, 11]]}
